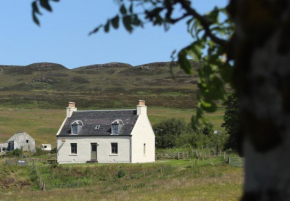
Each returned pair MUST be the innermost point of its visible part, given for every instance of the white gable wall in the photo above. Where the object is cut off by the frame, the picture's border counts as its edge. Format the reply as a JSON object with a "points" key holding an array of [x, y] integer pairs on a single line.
{"points": [[84, 149], [143, 134]]}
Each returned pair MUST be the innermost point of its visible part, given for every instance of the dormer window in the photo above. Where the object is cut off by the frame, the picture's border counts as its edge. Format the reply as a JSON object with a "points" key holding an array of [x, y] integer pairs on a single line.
{"points": [[115, 129], [116, 126], [74, 129], [76, 126]]}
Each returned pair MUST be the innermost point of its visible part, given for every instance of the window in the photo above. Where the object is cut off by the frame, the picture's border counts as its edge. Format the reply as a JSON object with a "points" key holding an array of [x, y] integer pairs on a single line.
{"points": [[114, 147], [144, 148], [27, 141], [74, 148], [74, 129], [45, 146], [115, 129]]}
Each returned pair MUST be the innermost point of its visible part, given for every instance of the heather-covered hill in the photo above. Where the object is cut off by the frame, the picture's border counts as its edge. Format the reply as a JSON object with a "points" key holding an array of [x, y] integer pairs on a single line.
{"points": [[111, 85]]}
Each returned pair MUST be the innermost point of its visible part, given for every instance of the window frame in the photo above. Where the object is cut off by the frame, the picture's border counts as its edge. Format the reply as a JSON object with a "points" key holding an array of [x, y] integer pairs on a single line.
{"points": [[74, 150], [114, 150]]}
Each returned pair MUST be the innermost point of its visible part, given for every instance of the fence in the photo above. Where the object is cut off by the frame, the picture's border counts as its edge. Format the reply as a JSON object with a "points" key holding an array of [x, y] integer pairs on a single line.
{"points": [[191, 155], [236, 161], [18, 162], [41, 183]]}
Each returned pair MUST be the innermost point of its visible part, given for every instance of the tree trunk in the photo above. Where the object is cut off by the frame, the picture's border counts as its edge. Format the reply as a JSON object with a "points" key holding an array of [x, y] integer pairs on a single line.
{"points": [[262, 79]]}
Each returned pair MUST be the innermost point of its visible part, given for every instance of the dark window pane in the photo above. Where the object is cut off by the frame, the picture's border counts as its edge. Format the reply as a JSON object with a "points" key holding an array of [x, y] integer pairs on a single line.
{"points": [[114, 148], [73, 148], [94, 147]]}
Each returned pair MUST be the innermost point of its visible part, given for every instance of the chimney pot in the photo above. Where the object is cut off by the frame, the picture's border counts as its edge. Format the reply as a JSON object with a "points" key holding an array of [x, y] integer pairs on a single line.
{"points": [[141, 102], [71, 104], [70, 109]]}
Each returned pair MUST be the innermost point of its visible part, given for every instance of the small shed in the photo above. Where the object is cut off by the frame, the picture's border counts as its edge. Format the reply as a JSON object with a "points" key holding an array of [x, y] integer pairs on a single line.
{"points": [[46, 147], [21, 141]]}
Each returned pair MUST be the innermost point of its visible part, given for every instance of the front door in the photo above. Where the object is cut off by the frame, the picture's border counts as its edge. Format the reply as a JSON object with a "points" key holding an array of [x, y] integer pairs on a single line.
{"points": [[93, 151]]}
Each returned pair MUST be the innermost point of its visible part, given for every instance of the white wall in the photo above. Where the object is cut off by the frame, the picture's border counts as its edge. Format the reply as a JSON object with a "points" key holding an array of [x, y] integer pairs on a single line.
{"points": [[84, 149], [48, 147], [143, 133]]}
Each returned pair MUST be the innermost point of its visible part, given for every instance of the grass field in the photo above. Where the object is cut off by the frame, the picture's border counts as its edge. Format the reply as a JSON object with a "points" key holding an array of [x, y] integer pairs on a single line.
{"points": [[211, 179], [43, 124]]}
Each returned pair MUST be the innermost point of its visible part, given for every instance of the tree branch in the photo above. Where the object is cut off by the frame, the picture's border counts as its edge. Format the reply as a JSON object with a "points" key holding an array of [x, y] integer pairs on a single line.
{"points": [[203, 21]]}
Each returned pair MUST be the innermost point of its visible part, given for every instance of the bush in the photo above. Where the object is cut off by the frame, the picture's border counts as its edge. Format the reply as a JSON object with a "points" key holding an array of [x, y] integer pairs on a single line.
{"points": [[53, 151], [15, 152], [168, 131], [121, 173], [39, 152]]}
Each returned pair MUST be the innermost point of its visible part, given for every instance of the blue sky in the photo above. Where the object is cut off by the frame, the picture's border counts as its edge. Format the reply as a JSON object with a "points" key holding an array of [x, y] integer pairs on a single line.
{"points": [[63, 35]]}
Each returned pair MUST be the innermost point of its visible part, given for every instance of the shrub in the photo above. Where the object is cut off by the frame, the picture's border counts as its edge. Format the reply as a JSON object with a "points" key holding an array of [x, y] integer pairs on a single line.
{"points": [[39, 152], [15, 152], [121, 173], [53, 151]]}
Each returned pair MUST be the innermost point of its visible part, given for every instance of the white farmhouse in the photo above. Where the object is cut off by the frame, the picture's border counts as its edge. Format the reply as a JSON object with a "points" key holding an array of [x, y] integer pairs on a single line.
{"points": [[106, 136]]}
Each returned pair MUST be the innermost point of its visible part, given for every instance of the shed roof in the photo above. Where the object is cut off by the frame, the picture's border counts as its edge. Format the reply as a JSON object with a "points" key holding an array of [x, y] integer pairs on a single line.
{"points": [[16, 135], [104, 118]]}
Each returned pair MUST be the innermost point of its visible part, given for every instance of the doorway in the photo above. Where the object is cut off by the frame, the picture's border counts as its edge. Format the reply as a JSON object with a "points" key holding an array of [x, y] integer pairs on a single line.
{"points": [[93, 151]]}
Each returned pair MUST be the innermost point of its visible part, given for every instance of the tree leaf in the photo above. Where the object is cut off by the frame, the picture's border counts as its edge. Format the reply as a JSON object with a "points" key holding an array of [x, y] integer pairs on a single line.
{"points": [[35, 19], [35, 8], [45, 4], [183, 61], [96, 29], [115, 22], [107, 26], [123, 9], [128, 23]]}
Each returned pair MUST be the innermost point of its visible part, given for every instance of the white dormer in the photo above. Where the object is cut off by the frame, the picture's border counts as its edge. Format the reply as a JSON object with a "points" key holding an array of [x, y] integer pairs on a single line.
{"points": [[76, 126], [116, 126]]}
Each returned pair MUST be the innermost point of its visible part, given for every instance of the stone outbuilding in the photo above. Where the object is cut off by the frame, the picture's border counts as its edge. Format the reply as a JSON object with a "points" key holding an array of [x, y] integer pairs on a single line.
{"points": [[21, 141]]}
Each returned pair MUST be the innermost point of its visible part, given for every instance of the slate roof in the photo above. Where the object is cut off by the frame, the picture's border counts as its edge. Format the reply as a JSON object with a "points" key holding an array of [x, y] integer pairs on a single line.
{"points": [[104, 118]]}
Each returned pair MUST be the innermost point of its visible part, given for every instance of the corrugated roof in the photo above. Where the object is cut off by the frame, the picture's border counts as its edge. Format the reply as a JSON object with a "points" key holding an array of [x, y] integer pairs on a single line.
{"points": [[104, 118]]}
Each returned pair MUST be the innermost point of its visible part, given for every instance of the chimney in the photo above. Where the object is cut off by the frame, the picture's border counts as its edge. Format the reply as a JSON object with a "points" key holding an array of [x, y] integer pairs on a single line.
{"points": [[141, 108], [70, 109]]}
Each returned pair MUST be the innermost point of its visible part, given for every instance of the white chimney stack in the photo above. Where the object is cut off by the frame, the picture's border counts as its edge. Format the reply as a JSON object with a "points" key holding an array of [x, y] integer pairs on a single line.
{"points": [[70, 109], [141, 108]]}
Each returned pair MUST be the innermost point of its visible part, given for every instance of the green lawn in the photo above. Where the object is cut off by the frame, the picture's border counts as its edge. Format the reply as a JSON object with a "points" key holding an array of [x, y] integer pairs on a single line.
{"points": [[211, 179]]}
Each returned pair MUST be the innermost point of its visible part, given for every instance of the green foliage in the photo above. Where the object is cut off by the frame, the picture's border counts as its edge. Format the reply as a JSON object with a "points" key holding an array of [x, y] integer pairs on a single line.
{"points": [[121, 173], [174, 133], [168, 131], [15, 152], [39, 152], [53, 151], [232, 122]]}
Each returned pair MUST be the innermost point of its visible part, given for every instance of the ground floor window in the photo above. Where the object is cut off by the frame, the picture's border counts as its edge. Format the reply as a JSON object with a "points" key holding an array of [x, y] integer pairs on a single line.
{"points": [[74, 148], [144, 149], [114, 148]]}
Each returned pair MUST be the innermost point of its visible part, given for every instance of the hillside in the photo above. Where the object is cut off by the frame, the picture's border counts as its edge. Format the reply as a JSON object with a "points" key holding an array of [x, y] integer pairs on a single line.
{"points": [[111, 85]]}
